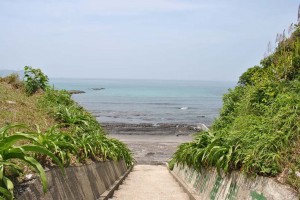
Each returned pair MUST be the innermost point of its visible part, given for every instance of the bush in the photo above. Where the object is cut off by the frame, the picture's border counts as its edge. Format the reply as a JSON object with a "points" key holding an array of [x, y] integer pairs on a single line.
{"points": [[259, 123], [76, 136], [34, 79], [13, 80], [12, 154], [86, 135]]}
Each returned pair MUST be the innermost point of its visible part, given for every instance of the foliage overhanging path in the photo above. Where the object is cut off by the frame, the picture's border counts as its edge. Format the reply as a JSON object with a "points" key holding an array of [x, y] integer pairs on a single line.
{"points": [[75, 137], [258, 129]]}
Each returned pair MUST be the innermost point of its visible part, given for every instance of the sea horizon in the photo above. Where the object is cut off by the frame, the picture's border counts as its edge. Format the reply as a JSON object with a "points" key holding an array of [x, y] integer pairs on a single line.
{"points": [[140, 79], [136, 101]]}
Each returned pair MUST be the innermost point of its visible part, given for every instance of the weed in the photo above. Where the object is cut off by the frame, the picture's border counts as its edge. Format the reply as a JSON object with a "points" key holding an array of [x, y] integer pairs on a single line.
{"points": [[34, 79], [11, 154], [13, 80], [57, 131], [259, 123]]}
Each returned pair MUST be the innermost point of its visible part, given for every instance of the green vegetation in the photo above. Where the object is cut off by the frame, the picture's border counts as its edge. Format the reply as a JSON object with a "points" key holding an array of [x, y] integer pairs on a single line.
{"points": [[258, 131], [9, 152], [45, 127], [86, 138], [35, 79]]}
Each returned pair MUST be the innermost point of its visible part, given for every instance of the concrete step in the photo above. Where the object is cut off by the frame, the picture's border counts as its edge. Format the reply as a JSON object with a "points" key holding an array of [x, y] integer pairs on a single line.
{"points": [[122, 193], [150, 182], [145, 190], [181, 196]]}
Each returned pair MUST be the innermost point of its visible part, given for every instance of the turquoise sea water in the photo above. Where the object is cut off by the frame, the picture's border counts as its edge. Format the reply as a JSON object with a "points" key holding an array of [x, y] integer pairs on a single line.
{"points": [[149, 101]]}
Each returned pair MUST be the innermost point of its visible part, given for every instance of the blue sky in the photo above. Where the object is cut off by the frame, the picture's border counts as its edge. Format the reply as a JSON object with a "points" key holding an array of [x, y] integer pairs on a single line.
{"points": [[140, 39]]}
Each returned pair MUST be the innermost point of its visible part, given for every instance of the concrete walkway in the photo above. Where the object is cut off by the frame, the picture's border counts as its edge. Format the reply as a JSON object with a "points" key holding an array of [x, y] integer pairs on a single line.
{"points": [[150, 182]]}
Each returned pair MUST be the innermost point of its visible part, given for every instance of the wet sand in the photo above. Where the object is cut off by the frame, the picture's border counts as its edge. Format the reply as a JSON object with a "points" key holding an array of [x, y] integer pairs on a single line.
{"points": [[153, 147]]}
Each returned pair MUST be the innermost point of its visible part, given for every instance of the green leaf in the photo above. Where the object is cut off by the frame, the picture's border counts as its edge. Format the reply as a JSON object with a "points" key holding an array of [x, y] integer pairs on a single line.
{"points": [[32, 162], [6, 193], [38, 167], [42, 150], [5, 129], [8, 183], [10, 164], [1, 171], [7, 142]]}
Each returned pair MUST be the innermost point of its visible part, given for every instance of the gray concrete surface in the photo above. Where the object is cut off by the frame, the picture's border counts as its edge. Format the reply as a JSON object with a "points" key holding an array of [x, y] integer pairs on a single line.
{"points": [[86, 182], [208, 184], [150, 182]]}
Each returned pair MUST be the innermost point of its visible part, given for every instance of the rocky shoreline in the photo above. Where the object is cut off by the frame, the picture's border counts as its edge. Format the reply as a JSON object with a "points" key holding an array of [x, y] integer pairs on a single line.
{"points": [[76, 91], [152, 129]]}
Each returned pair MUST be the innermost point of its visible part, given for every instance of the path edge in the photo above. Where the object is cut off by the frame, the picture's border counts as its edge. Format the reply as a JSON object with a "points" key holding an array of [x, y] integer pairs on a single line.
{"points": [[182, 184], [110, 191]]}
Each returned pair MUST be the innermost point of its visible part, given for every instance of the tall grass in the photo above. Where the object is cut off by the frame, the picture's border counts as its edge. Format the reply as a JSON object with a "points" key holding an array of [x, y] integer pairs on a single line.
{"points": [[76, 136], [259, 124], [11, 154], [86, 135]]}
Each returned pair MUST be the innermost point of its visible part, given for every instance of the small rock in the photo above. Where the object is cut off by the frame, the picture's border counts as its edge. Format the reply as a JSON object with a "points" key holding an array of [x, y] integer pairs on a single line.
{"points": [[282, 176], [297, 174], [98, 88], [29, 176], [150, 154], [11, 102], [201, 127], [76, 91]]}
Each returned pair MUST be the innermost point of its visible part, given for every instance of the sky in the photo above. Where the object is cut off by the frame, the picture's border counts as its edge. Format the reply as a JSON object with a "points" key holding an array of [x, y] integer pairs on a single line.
{"points": [[141, 39]]}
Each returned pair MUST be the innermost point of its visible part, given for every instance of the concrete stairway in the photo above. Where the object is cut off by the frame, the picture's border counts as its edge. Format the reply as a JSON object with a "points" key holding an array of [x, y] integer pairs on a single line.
{"points": [[150, 182]]}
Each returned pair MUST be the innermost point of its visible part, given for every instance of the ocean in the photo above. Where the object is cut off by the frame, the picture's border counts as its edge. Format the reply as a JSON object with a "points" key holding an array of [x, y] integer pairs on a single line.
{"points": [[149, 101]]}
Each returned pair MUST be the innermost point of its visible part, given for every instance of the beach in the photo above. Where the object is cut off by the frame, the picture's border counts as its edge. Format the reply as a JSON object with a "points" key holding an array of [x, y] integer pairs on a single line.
{"points": [[151, 144], [153, 117]]}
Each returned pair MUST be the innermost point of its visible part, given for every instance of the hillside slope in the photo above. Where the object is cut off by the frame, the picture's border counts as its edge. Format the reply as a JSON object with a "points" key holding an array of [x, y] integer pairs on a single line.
{"points": [[42, 127], [259, 125]]}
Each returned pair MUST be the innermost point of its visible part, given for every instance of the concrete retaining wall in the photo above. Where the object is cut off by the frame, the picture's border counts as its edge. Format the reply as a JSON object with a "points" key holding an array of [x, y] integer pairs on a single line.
{"points": [[235, 186], [83, 182]]}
